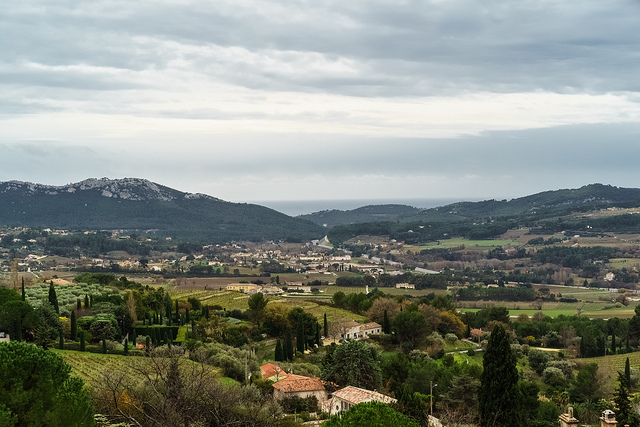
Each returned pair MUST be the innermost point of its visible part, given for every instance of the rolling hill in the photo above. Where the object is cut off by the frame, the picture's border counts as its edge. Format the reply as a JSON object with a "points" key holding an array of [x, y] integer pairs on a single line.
{"points": [[141, 205]]}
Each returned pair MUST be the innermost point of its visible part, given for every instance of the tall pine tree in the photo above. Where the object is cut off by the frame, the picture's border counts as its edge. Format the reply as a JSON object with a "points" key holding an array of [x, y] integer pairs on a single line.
{"points": [[499, 396], [53, 298], [24, 295], [74, 327], [279, 356], [625, 414], [627, 372], [386, 325], [300, 337], [288, 346]]}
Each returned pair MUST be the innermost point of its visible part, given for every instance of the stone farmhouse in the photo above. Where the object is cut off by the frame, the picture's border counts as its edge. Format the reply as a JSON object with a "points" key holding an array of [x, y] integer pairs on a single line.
{"points": [[299, 386], [355, 330], [344, 399]]}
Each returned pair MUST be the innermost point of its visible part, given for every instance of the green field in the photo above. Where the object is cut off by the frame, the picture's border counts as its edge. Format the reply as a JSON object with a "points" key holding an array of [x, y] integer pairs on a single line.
{"points": [[232, 300], [93, 367], [468, 244]]}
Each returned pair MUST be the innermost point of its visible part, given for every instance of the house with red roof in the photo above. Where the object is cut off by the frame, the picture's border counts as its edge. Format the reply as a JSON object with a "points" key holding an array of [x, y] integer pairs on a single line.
{"points": [[299, 386]]}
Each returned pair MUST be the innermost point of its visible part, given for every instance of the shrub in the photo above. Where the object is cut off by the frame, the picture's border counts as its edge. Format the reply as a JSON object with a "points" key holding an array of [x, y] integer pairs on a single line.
{"points": [[553, 377]]}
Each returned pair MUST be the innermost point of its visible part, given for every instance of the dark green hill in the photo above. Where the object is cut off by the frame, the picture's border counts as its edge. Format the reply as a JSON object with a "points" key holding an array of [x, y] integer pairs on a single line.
{"points": [[546, 202], [549, 210], [370, 213], [136, 204]]}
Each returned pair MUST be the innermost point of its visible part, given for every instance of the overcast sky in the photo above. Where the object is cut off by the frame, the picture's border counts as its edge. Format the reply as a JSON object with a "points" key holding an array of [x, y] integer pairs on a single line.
{"points": [[361, 99]]}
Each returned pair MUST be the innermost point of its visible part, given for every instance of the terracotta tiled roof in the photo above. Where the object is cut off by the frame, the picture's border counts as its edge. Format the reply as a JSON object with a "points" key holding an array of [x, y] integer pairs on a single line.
{"points": [[295, 383], [372, 325], [270, 370], [350, 324], [355, 395]]}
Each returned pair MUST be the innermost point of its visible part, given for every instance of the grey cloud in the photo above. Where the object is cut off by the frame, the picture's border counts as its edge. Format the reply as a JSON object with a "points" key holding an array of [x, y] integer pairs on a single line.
{"points": [[410, 48]]}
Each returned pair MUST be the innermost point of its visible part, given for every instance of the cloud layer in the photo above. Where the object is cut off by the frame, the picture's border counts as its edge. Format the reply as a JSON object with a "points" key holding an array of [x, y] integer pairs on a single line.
{"points": [[258, 100]]}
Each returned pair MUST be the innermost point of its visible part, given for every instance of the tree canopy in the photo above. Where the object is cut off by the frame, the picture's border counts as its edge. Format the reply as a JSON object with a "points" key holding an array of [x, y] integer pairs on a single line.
{"points": [[499, 394], [370, 414], [353, 363], [39, 390]]}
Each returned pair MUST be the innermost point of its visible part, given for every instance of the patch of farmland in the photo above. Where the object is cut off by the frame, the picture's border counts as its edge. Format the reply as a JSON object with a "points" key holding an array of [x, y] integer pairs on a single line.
{"points": [[92, 367]]}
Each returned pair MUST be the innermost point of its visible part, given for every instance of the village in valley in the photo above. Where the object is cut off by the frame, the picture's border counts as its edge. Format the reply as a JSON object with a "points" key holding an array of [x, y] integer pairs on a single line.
{"points": [[319, 329]]}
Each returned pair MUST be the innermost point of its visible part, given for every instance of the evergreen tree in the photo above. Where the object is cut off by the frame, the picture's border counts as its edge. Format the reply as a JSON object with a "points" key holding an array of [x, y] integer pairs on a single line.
{"points": [[53, 298], [83, 345], [167, 306], [288, 346], [104, 346], [317, 335], [74, 327], [206, 312], [147, 343], [126, 347], [627, 372], [78, 304], [326, 326], [625, 414], [90, 301], [386, 325], [499, 396], [300, 338], [134, 336], [613, 344], [61, 341], [86, 301], [279, 356], [24, 295], [187, 317], [177, 312]]}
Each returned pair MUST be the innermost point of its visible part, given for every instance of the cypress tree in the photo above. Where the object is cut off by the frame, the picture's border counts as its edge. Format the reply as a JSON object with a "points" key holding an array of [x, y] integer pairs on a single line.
{"points": [[90, 301], [288, 346], [166, 338], [386, 325], [625, 414], [300, 338], [613, 344], [161, 319], [499, 397], [126, 347], [207, 314], [147, 343], [134, 336], [187, 318], [53, 298], [317, 334], [83, 345], [104, 346], [74, 327], [167, 309], [24, 295], [61, 341], [177, 312], [326, 326], [279, 356], [627, 372], [86, 301], [78, 304]]}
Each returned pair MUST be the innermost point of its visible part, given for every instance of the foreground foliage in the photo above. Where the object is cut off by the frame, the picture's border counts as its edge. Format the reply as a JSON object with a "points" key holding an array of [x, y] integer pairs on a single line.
{"points": [[36, 389]]}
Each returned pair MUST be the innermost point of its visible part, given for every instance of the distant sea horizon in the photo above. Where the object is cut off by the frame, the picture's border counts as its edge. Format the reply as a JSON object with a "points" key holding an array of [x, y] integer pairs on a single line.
{"points": [[302, 207]]}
